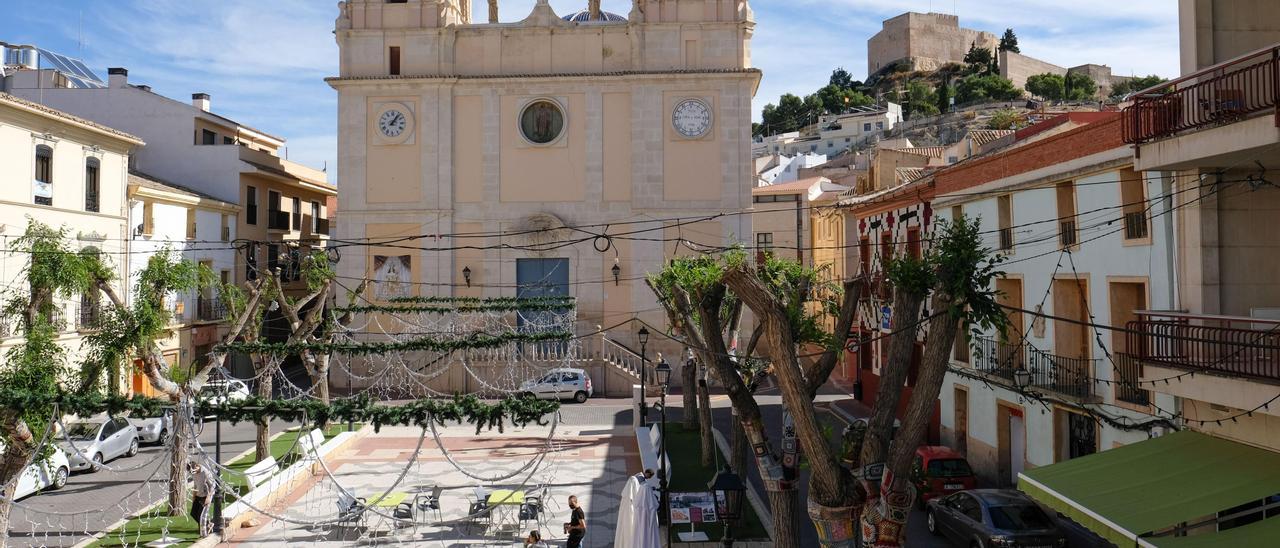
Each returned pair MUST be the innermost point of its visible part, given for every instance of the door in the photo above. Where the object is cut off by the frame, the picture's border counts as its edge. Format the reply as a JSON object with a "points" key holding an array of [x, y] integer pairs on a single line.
{"points": [[107, 441], [1017, 445], [1083, 435], [961, 421], [1009, 352], [28, 481], [541, 278], [1071, 339]]}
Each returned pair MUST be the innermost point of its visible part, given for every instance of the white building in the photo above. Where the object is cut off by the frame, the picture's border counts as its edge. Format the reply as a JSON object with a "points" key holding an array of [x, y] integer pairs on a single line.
{"points": [[65, 172], [785, 169], [835, 133]]}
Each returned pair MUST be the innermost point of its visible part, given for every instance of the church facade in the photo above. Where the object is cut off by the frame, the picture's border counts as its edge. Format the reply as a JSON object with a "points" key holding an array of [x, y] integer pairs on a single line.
{"points": [[563, 154]]}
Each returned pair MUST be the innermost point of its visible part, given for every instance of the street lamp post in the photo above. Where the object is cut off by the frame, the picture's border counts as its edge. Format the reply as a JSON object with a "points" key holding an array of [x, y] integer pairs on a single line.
{"points": [[643, 336], [663, 373], [217, 490], [727, 486]]}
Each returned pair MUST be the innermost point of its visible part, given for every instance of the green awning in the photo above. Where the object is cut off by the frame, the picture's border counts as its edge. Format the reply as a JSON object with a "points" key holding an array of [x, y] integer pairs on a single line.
{"points": [[1147, 486]]}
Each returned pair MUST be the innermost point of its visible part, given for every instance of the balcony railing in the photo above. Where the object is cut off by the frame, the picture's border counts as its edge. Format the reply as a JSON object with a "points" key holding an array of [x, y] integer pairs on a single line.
{"points": [[1072, 377], [1067, 233], [87, 317], [1220, 94], [210, 309], [1006, 239], [1228, 345], [1135, 225], [1127, 375], [277, 220], [321, 227]]}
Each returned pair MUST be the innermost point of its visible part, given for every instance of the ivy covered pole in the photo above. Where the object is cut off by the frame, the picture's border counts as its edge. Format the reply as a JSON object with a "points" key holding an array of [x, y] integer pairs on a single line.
{"points": [[38, 363]]}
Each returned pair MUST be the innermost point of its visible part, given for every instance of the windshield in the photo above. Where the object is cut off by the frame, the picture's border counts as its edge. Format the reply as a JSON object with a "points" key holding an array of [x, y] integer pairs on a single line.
{"points": [[949, 468], [1019, 518], [82, 431]]}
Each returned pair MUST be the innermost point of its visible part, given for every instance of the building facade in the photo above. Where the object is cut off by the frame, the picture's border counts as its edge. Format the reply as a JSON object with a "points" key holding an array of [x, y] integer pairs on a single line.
{"points": [[925, 41], [498, 137], [68, 173]]}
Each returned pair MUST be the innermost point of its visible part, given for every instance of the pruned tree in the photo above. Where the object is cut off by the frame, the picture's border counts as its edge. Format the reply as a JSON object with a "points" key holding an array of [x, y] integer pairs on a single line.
{"points": [[37, 364]]}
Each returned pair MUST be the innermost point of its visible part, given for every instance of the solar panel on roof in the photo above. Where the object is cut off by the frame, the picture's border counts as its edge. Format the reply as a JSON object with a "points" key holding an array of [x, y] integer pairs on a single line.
{"points": [[71, 67]]}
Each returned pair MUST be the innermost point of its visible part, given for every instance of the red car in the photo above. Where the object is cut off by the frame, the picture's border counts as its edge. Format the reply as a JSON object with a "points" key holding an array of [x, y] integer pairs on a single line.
{"points": [[939, 471]]}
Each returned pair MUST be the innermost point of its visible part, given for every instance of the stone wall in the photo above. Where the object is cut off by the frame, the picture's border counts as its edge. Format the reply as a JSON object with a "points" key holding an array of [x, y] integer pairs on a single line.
{"points": [[1017, 67], [926, 40]]}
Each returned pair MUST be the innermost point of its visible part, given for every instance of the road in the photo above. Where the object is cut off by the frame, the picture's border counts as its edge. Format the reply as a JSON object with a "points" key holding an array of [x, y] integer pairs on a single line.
{"points": [[93, 501]]}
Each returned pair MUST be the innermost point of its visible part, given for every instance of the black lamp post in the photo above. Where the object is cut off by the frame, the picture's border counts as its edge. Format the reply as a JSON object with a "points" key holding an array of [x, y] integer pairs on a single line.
{"points": [[617, 271], [663, 373], [643, 337], [466, 275], [727, 486]]}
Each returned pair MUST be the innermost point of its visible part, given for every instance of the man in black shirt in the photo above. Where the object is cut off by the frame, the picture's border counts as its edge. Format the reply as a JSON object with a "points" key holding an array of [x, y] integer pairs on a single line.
{"points": [[577, 526]]}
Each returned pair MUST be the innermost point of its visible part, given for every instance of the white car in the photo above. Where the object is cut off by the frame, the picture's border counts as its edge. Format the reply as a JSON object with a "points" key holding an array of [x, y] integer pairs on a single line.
{"points": [[224, 390], [560, 384], [153, 429], [50, 473]]}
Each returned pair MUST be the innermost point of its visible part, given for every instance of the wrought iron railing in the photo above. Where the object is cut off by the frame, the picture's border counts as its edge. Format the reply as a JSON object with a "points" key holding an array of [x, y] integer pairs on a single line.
{"points": [[1135, 225], [1067, 233], [1128, 374], [998, 358], [87, 316], [1073, 377], [1216, 95], [210, 309], [1006, 239], [1229, 345], [321, 227], [277, 220]]}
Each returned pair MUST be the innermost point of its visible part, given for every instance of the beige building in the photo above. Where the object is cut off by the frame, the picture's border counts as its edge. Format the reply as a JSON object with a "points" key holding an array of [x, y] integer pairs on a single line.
{"points": [[65, 172], [502, 136], [787, 219], [925, 41]]}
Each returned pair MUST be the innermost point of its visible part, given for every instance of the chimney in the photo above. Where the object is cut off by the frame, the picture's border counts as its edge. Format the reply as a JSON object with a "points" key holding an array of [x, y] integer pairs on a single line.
{"points": [[117, 77], [200, 101]]}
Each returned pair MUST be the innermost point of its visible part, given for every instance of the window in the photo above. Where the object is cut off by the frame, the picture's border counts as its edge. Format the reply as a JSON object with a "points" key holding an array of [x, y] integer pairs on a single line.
{"points": [[1133, 200], [864, 254], [148, 218], [1067, 213], [224, 277], [764, 240], [44, 175], [768, 198], [226, 228], [297, 213], [208, 137], [879, 125], [846, 139], [227, 140], [315, 217], [393, 57], [913, 242], [813, 148], [276, 219], [866, 126], [1005, 206], [191, 223], [886, 248], [251, 206], [273, 257], [91, 169], [957, 212]]}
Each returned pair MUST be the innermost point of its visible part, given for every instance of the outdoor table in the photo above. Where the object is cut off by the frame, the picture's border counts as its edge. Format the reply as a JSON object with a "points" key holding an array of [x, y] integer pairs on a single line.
{"points": [[386, 504], [504, 508]]}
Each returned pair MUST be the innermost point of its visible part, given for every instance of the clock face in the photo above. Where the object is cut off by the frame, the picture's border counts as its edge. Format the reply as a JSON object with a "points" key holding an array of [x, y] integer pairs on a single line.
{"points": [[691, 118], [392, 123]]}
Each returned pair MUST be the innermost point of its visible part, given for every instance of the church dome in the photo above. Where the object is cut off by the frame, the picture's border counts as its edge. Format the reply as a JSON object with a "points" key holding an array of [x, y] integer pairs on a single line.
{"points": [[583, 16]]}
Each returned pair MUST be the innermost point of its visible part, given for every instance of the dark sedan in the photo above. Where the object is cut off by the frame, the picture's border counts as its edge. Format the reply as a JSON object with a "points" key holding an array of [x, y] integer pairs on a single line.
{"points": [[994, 518]]}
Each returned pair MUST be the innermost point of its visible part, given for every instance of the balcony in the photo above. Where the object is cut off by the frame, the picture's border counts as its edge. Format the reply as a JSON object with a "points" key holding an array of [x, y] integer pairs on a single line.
{"points": [[1128, 373], [1231, 346], [1217, 95], [87, 317], [321, 227], [1070, 377], [277, 220], [1135, 225], [210, 309], [1006, 239], [1067, 233]]}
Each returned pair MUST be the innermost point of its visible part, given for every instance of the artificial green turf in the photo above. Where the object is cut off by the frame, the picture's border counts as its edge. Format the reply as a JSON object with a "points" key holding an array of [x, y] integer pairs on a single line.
{"points": [[688, 475]]}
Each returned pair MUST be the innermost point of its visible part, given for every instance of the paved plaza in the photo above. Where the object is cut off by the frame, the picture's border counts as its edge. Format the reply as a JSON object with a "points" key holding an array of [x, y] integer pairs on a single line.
{"points": [[590, 456]]}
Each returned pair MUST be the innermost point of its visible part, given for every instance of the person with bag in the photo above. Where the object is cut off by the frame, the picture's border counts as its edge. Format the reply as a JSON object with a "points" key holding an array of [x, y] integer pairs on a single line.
{"points": [[577, 526]]}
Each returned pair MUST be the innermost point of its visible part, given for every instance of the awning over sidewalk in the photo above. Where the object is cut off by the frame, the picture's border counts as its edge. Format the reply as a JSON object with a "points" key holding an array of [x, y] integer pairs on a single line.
{"points": [[1152, 485]]}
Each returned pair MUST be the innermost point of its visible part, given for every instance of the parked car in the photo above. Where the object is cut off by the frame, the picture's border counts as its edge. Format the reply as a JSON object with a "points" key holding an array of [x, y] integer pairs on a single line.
{"points": [[223, 390], [994, 518], [939, 471], [560, 384], [48, 473], [90, 443], [153, 429]]}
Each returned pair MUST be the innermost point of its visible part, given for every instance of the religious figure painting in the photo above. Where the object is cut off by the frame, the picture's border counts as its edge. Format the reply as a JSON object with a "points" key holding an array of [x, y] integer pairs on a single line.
{"points": [[393, 276], [541, 122]]}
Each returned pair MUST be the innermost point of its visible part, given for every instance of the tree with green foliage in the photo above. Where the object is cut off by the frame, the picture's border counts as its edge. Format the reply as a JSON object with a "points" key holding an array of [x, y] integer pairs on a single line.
{"points": [[836, 100], [1131, 85], [790, 114], [1080, 87], [989, 87], [843, 80], [1050, 86], [1009, 42], [1004, 119], [943, 94], [978, 59], [38, 363]]}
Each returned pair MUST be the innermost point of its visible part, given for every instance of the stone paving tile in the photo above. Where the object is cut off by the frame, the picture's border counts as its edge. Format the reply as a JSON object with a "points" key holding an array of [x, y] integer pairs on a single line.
{"points": [[594, 458]]}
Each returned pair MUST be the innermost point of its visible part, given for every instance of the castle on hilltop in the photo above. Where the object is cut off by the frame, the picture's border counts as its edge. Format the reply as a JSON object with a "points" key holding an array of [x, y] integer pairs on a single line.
{"points": [[927, 41]]}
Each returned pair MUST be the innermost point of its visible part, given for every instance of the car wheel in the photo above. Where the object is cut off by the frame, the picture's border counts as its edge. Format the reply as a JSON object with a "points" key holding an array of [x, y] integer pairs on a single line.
{"points": [[97, 462], [133, 448], [60, 478], [163, 438], [932, 523], [580, 397]]}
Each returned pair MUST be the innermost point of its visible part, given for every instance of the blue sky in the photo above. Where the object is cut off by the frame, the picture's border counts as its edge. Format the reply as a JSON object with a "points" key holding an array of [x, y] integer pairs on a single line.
{"points": [[264, 61]]}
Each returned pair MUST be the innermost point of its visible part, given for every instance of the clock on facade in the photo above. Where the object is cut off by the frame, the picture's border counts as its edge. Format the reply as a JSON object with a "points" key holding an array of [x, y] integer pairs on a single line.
{"points": [[691, 118], [392, 123]]}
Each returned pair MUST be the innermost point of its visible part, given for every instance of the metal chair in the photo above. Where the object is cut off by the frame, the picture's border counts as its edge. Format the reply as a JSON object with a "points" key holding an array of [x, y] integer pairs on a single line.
{"points": [[351, 509], [430, 503]]}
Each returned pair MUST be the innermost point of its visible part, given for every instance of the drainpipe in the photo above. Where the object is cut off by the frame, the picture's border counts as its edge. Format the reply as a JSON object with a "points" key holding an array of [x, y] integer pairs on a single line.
{"points": [[1171, 241]]}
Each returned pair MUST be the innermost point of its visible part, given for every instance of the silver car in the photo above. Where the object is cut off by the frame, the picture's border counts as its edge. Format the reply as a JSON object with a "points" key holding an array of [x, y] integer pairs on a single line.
{"points": [[90, 443], [154, 429], [560, 384]]}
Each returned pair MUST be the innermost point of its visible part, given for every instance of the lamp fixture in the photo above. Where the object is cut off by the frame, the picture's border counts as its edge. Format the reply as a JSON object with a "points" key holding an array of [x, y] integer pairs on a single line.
{"points": [[466, 275], [1021, 378], [617, 271], [663, 372], [643, 335]]}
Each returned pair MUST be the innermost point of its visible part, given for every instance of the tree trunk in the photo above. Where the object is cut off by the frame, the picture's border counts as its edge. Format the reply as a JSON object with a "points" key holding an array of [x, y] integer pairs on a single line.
{"points": [[689, 392], [12, 462], [906, 313], [262, 438], [738, 446], [888, 510], [784, 502], [704, 423], [181, 438]]}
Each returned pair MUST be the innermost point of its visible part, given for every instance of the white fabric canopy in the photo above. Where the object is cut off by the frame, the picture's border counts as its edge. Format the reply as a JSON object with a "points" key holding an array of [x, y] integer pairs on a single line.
{"points": [[637, 517]]}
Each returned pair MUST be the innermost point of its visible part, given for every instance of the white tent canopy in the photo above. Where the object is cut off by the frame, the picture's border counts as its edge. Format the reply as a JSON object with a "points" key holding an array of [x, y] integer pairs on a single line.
{"points": [[637, 517]]}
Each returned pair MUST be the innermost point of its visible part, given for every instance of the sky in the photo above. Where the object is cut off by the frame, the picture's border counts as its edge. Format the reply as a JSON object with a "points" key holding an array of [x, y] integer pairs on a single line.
{"points": [[264, 62]]}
